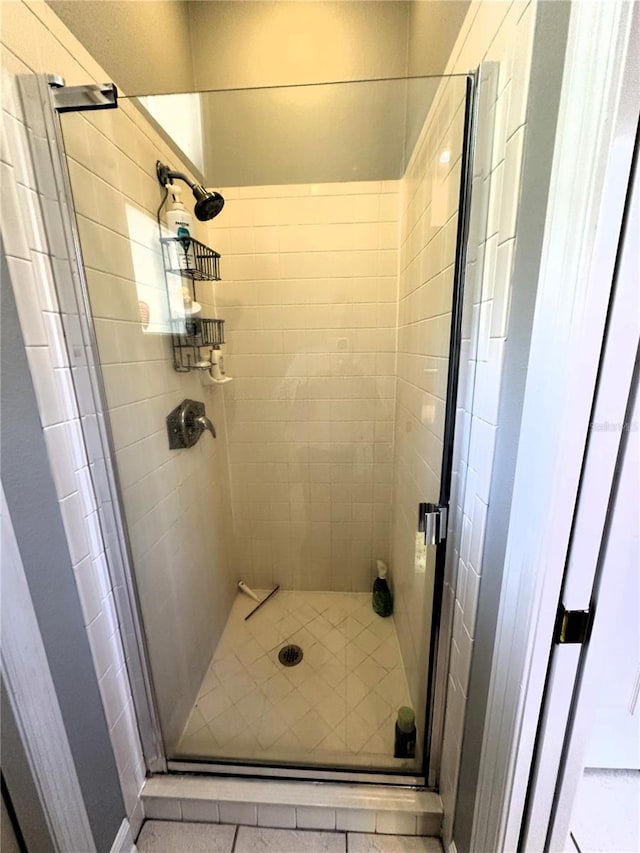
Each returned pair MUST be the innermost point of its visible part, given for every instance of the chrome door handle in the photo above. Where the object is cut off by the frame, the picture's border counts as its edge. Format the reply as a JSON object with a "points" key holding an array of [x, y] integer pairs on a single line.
{"points": [[432, 521]]}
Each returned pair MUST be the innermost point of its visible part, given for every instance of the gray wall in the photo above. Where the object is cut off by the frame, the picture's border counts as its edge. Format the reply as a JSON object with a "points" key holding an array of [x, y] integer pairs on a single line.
{"points": [[164, 46], [433, 27], [544, 97], [314, 135], [280, 42], [35, 513], [144, 45]]}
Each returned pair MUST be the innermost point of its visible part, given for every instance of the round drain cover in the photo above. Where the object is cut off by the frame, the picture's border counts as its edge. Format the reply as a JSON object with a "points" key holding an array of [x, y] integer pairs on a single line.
{"points": [[290, 655]]}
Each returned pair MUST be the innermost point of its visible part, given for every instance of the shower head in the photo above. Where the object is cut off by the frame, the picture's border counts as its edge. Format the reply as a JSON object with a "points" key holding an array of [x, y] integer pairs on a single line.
{"points": [[209, 203]]}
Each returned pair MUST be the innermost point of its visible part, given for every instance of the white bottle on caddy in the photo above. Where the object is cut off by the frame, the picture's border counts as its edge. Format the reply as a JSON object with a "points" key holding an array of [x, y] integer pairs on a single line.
{"points": [[217, 364], [179, 221]]}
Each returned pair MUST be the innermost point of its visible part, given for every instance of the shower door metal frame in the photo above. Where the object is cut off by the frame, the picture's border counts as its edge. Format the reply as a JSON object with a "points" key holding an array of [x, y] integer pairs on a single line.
{"points": [[40, 98], [72, 291], [439, 645]]}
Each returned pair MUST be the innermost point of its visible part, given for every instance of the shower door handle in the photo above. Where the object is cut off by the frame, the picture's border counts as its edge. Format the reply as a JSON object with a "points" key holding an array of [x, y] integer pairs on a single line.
{"points": [[432, 521]]}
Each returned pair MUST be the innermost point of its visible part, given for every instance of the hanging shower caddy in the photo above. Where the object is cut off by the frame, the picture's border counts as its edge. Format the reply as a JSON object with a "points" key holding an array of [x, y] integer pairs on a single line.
{"points": [[188, 257], [191, 259]]}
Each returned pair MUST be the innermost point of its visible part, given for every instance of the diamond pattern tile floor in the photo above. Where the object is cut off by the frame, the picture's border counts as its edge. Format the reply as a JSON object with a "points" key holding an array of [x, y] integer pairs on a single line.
{"points": [[336, 708], [175, 837]]}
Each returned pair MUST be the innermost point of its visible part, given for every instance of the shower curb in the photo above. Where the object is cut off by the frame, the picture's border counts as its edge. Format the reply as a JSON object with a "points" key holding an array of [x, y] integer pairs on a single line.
{"points": [[384, 809]]}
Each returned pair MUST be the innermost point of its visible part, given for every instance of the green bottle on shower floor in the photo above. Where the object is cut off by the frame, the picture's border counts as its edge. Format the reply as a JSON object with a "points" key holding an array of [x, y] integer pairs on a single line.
{"points": [[382, 599]]}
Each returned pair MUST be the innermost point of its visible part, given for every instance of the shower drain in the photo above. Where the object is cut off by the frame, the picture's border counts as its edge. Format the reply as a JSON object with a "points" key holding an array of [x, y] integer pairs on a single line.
{"points": [[290, 655]]}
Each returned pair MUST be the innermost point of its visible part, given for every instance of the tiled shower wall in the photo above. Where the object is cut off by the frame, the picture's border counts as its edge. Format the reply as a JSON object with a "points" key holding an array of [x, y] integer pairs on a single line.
{"points": [[429, 202], [176, 501], [501, 34], [309, 296]]}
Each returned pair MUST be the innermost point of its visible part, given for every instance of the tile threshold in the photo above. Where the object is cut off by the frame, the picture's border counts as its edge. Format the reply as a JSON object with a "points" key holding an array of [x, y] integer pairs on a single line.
{"points": [[412, 811]]}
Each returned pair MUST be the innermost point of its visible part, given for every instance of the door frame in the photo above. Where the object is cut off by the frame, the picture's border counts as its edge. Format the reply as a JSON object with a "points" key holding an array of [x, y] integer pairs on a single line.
{"points": [[589, 583], [59, 817], [439, 643], [591, 167], [73, 297], [73, 291]]}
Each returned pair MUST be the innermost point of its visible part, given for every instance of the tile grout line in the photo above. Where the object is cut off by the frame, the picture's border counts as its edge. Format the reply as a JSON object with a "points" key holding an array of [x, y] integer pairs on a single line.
{"points": [[235, 839], [365, 629]]}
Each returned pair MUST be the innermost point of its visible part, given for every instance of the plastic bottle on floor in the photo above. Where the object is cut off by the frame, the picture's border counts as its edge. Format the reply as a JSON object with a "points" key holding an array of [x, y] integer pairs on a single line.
{"points": [[405, 739], [381, 599]]}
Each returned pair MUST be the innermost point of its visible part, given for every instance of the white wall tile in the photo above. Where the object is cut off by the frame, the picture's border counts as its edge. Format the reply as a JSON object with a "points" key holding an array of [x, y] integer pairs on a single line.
{"points": [[200, 811], [14, 236], [88, 590], [355, 820], [295, 402], [27, 302], [502, 295], [396, 823], [242, 813], [511, 184], [312, 817], [102, 645], [73, 520], [277, 816], [161, 808]]}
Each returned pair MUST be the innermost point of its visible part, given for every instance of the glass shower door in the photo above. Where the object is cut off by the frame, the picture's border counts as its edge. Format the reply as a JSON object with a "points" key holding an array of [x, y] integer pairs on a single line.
{"points": [[331, 307]]}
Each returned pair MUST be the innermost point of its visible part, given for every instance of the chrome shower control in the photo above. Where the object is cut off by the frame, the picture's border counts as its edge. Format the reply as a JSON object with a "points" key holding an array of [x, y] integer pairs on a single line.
{"points": [[186, 423], [204, 422]]}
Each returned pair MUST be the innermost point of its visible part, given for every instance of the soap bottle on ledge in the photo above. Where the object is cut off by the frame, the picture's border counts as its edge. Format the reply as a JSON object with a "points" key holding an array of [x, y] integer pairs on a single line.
{"points": [[381, 599]]}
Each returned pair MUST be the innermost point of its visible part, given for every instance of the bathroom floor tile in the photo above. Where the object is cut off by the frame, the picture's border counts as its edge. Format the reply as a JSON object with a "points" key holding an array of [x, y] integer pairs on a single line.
{"points": [[253, 839], [363, 843], [336, 707], [163, 836]]}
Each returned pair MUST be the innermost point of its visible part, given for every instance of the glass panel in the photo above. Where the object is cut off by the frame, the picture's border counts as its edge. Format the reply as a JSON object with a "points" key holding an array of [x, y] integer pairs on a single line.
{"points": [[337, 243]]}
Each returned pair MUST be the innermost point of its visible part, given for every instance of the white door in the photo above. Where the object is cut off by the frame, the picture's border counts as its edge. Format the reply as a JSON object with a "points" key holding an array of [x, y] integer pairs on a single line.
{"points": [[584, 792], [614, 743], [604, 814]]}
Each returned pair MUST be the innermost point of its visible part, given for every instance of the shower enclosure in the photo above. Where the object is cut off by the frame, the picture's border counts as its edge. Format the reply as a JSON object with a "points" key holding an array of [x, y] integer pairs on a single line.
{"points": [[331, 284]]}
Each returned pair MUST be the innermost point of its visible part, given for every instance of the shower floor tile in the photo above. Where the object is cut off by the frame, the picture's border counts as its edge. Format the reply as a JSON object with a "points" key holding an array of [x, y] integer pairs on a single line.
{"points": [[337, 707]]}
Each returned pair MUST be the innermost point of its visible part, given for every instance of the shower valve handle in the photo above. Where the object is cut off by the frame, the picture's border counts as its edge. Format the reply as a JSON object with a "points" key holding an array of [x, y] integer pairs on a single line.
{"points": [[204, 423], [186, 423]]}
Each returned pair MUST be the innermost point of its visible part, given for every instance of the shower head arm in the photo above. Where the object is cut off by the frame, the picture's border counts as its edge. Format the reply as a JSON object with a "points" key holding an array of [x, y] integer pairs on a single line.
{"points": [[167, 176], [208, 202]]}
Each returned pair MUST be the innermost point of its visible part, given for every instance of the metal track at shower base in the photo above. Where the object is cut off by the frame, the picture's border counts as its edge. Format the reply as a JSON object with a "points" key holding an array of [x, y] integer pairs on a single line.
{"points": [[311, 774]]}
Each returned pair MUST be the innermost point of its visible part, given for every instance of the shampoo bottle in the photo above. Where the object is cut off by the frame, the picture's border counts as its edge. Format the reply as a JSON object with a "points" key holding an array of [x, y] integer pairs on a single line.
{"points": [[178, 217], [382, 600]]}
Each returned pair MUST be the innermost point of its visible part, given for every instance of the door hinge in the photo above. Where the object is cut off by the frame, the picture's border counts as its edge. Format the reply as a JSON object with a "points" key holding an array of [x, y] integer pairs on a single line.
{"points": [[432, 521], [572, 626], [72, 99]]}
